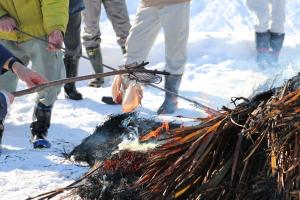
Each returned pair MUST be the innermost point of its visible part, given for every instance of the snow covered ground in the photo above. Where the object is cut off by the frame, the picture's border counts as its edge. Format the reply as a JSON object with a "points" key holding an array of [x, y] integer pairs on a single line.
{"points": [[221, 65]]}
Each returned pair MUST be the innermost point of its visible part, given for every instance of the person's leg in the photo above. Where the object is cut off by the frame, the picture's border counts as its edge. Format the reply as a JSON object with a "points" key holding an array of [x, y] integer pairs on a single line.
{"points": [[91, 16], [10, 77], [51, 66], [277, 30], [278, 16], [73, 46], [262, 12], [1, 132], [142, 35], [117, 13], [175, 22], [262, 34], [262, 48], [91, 37]]}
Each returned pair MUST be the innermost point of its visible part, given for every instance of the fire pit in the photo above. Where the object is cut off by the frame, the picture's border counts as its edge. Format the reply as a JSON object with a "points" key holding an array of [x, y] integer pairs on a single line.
{"points": [[250, 152]]}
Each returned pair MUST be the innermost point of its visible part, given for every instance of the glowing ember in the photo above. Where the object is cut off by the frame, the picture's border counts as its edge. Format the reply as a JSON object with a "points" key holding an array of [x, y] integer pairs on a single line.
{"points": [[155, 133], [125, 162]]}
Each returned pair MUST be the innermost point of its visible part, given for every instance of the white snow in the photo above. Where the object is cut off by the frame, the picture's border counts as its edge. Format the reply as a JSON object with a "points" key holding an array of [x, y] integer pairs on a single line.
{"points": [[221, 65]]}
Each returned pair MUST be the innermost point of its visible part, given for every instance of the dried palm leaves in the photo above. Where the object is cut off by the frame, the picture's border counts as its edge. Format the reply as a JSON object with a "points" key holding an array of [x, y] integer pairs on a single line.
{"points": [[251, 152]]}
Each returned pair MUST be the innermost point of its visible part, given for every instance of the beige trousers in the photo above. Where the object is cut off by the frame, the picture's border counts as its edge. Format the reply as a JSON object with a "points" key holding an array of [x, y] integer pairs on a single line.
{"points": [[270, 15], [117, 13], [174, 19], [49, 64]]}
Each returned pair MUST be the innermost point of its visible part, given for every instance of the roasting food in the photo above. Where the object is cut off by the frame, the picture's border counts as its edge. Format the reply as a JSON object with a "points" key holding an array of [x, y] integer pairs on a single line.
{"points": [[116, 89], [127, 92], [133, 97]]}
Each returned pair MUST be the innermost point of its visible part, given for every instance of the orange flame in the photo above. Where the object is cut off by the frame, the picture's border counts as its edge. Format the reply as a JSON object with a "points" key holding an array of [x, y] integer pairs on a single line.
{"points": [[155, 133], [297, 110]]}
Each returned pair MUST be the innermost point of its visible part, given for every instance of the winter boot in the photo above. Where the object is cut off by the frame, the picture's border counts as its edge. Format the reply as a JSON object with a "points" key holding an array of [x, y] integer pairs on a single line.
{"points": [[262, 48], [96, 61], [1, 131], [71, 64], [39, 126], [124, 51], [172, 83], [276, 42]]}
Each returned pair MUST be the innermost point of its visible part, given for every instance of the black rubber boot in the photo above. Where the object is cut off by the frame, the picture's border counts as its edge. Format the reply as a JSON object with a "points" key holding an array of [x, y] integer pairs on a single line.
{"points": [[262, 48], [96, 60], [124, 51], [71, 64], [1, 131], [172, 83], [276, 43], [39, 126]]}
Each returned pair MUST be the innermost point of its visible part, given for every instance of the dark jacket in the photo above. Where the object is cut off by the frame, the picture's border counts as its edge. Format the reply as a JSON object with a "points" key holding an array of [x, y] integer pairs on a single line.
{"points": [[75, 6], [4, 56]]}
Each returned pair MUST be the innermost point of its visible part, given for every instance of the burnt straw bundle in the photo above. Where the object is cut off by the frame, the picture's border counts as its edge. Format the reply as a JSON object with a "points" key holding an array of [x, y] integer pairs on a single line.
{"points": [[250, 152]]}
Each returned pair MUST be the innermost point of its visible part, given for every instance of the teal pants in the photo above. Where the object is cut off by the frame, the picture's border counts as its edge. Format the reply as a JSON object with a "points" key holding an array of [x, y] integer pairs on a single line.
{"points": [[47, 63]]}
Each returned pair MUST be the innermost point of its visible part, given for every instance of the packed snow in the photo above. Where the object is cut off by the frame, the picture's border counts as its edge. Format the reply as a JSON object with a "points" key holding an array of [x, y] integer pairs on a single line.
{"points": [[221, 65]]}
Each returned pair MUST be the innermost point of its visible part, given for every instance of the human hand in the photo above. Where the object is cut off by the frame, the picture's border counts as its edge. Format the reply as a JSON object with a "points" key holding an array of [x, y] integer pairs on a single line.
{"points": [[7, 24], [55, 40], [30, 77]]}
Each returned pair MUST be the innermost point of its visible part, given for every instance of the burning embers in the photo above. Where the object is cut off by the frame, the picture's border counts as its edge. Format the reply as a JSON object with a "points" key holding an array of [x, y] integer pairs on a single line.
{"points": [[114, 177], [125, 163], [156, 133]]}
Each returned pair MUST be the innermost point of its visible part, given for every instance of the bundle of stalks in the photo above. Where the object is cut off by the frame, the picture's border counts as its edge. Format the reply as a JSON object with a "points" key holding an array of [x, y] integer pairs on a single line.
{"points": [[250, 152]]}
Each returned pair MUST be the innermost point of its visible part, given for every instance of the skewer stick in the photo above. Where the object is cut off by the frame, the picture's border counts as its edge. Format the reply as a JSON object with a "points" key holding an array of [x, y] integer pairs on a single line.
{"points": [[81, 78]]}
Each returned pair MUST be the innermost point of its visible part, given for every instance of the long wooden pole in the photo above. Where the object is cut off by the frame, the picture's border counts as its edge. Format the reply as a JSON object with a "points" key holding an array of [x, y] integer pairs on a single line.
{"points": [[82, 78]]}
